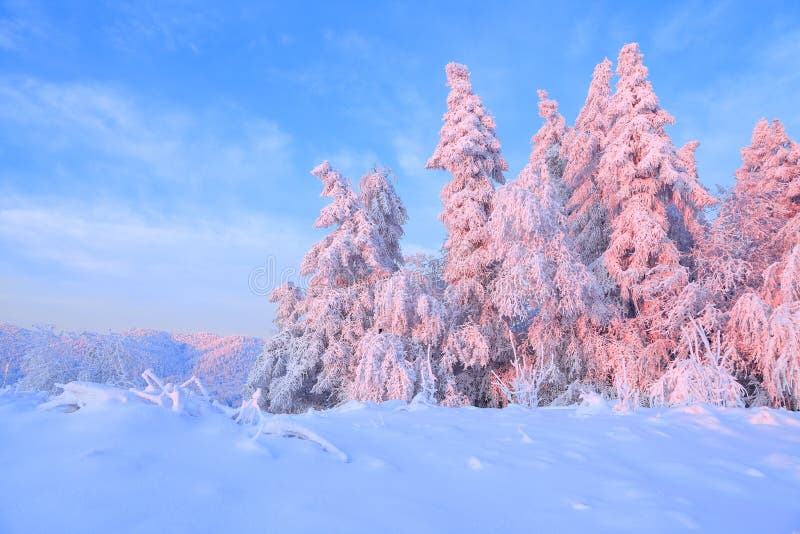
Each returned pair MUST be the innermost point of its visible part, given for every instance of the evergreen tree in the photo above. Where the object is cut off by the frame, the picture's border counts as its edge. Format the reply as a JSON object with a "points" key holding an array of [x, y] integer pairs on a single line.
{"points": [[541, 288], [764, 216], [641, 179], [290, 362], [386, 212], [583, 147], [469, 150], [319, 352]]}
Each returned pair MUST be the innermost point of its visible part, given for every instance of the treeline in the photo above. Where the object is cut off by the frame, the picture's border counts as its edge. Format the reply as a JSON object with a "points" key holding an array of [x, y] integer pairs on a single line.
{"points": [[598, 269]]}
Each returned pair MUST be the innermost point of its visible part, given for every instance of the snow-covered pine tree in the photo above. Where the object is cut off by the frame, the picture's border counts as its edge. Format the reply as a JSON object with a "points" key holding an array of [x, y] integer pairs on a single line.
{"points": [[286, 369], [315, 357], [395, 359], [469, 150], [541, 288], [386, 211], [383, 370], [690, 200], [769, 165], [338, 309], [764, 223], [582, 149], [643, 180], [384, 360]]}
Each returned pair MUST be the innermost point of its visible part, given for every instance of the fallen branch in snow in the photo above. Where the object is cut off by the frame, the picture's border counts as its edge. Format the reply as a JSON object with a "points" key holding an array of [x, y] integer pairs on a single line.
{"points": [[249, 413], [178, 398], [190, 397]]}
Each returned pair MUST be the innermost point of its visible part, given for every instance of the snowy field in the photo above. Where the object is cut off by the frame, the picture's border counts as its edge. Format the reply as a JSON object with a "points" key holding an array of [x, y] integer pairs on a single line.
{"points": [[120, 464]]}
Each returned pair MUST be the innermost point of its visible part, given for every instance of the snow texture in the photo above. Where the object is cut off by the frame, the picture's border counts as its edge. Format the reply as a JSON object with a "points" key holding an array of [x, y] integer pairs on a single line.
{"points": [[122, 464]]}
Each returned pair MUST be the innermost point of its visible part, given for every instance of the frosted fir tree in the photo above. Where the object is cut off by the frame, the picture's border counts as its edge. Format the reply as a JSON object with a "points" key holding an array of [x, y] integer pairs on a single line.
{"points": [[411, 321], [582, 149], [753, 229], [766, 342], [769, 166], [643, 180], [639, 170], [385, 210], [689, 230], [541, 289], [338, 301], [286, 369], [315, 358], [764, 216], [307, 361], [385, 368], [690, 200], [469, 150]]}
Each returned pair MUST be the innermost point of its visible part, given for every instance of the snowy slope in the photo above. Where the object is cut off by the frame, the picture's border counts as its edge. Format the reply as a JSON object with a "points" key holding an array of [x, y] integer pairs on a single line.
{"points": [[134, 467], [222, 363]]}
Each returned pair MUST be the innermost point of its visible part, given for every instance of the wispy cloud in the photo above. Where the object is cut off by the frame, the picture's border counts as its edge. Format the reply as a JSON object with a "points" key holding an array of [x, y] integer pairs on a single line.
{"points": [[110, 239], [722, 114], [112, 137], [349, 42], [410, 154], [688, 24], [105, 266], [168, 26], [22, 24], [352, 163]]}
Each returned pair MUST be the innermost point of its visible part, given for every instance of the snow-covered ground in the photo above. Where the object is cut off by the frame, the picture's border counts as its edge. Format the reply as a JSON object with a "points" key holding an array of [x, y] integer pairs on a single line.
{"points": [[115, 466]]}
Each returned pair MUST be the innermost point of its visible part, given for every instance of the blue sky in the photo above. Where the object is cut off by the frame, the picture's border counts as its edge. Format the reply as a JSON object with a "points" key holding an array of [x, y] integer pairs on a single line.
{"points": [[155, 156]]}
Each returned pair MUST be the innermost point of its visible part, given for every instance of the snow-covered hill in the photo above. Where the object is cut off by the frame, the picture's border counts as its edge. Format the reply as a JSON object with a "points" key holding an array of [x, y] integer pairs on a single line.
{"points": [[222, 363], [116, 466]]}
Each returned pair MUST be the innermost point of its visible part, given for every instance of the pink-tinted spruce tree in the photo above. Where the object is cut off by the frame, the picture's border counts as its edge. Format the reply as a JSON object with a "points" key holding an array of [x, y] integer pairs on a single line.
{"points": [[764, 225], [469, 150], [640, 176], [541, 288], [582, 149], [335, 314], [324, 332], [384, 364], [744, 237], [395, 357]]}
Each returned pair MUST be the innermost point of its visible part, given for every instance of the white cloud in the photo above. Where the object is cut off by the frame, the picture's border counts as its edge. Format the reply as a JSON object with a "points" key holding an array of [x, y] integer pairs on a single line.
{"points": [[352, 163], [126, 139], [112, 240], [168, 26], [723, 113], [410, 154], [101, 266]]}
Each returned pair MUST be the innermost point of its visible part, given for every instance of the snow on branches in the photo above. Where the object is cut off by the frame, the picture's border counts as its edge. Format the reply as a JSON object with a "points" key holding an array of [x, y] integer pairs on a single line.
{"points": [[596, 271]]}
